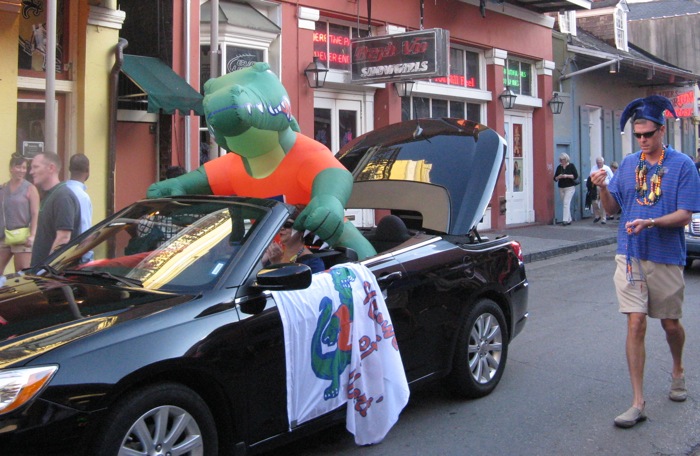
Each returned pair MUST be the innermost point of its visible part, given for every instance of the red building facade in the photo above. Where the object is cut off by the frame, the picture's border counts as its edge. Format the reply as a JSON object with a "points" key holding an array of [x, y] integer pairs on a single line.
{"points": [[508, 47]]}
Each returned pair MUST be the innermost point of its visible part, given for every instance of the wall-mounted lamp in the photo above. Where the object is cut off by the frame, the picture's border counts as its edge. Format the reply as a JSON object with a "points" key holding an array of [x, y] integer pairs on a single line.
{"points": [[615, 67], [404, 88], [316, 73], [508, 97], [556, 104]]}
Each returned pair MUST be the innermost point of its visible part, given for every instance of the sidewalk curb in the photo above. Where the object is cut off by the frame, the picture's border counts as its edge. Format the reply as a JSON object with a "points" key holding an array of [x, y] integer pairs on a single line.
{"points": [[546, 254]]}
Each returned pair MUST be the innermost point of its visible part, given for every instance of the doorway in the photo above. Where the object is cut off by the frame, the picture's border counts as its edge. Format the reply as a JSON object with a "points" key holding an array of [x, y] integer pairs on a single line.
{"points": [[518, 163], [339, 117], [595, 132], [30, 138], [336, 122]]}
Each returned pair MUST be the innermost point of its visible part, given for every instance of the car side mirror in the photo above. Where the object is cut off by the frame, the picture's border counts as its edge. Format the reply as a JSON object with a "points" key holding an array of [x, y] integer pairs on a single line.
{"points": [[283, 276]]}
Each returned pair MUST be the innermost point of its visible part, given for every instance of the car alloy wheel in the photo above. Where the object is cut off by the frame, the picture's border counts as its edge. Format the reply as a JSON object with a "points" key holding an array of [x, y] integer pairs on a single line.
{"points": [[162, 419], [481, 351], [485, 348], [166, 430]]}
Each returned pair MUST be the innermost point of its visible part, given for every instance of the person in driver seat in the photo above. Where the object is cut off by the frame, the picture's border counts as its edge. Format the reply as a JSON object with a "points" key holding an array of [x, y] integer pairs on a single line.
{"points": [[291, 247]]}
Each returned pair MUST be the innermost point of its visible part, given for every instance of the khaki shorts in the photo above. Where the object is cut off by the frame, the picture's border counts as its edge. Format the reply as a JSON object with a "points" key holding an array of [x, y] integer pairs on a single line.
{"points": [[658, 294], [15, 248]]}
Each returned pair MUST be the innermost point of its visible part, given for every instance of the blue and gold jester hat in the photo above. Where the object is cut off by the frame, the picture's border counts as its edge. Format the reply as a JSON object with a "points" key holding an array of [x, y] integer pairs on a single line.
{"points": [[650, 108]]}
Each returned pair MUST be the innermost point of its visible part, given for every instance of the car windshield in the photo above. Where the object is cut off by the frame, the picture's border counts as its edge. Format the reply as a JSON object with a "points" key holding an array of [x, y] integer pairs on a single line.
{"points": [[171, 245]]}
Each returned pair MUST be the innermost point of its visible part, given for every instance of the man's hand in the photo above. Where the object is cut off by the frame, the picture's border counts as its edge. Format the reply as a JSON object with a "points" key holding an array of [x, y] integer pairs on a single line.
{"points": [[638, 225], [600, 180], [599, 177]]}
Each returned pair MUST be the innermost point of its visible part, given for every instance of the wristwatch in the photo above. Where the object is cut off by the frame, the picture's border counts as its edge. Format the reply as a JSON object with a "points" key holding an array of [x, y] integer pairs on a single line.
{"points": [[653, 222]]}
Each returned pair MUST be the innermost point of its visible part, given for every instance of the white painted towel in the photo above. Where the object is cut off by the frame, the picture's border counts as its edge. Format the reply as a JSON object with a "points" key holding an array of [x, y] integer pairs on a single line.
{"points": [[340, 347]]}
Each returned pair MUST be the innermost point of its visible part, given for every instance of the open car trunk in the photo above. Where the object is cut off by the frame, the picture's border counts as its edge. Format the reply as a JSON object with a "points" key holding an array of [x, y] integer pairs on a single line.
{"points": [[436, 174]]}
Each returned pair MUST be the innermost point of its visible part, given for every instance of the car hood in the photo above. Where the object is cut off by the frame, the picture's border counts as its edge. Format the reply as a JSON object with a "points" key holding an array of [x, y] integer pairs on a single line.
{"points": [[38, 314], [443, 169]]}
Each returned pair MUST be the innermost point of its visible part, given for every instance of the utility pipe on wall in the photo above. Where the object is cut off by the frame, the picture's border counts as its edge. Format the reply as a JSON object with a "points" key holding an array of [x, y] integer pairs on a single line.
{"points": [[214, 62], [186, 50], [214, 41], [50, 130], [585, 70], [113, 102]]}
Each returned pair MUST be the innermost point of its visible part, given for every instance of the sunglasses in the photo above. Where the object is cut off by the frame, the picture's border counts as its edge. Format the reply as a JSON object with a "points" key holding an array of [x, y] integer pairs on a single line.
{"points": [[646, 135], [288, 224]]}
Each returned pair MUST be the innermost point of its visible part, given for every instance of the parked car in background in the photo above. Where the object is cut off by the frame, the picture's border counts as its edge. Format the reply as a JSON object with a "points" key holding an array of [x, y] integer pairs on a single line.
{"points": [[170, 340], [692, 240]]}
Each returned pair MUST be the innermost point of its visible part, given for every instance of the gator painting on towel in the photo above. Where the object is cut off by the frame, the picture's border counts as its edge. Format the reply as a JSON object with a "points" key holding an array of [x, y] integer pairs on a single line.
{"points": [[341, 348]]}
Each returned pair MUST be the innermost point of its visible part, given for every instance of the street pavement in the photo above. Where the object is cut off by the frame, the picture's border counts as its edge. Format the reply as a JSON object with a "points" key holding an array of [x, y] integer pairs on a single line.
{"points": [[540, 242]]}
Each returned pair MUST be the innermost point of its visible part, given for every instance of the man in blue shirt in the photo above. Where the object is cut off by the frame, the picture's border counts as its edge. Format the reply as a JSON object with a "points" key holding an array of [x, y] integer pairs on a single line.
{"points": [[79, 167], [657, 189]]}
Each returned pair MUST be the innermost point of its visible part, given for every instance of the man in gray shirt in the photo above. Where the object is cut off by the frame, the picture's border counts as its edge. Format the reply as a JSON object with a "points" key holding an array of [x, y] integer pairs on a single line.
{"points": [[59, 211]]}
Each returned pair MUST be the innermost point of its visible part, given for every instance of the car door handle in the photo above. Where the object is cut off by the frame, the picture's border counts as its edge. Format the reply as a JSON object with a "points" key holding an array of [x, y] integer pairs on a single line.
{"points": [[387, 279]]}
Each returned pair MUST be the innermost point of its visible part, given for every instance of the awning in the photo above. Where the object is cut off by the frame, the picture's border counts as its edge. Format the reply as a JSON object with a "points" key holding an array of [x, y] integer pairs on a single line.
{"points": [[552, 6], [165, 90], [240, 14]]}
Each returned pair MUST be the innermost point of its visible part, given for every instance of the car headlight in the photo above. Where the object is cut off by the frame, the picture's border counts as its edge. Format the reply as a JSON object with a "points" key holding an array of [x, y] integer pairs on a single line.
{"points": [[19, 386]]}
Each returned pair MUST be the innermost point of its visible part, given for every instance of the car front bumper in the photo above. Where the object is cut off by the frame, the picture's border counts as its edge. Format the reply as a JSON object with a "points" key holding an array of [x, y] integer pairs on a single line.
{"points": [[43, 428], [692, 244]]}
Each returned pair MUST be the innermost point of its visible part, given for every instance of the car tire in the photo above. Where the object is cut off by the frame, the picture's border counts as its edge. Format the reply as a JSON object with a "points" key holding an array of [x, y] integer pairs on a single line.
{"points": [[187, 426], [481, 352], [689, 263]]}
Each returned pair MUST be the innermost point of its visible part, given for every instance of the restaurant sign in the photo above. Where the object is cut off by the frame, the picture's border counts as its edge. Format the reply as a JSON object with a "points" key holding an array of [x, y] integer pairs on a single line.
{"points": [[404, 56], [683, 100]]}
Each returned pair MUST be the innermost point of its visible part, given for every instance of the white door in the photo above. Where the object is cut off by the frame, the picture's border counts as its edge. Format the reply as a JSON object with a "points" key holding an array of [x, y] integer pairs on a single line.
{"points": [[337, 121], [519, 206]]}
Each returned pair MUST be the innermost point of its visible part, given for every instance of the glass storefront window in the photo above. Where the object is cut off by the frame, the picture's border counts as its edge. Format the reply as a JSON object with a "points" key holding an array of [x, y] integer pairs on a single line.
{"points": [[406, 109], [322, 126], [321, 41], [338, 47], [434, 108], [473, 112], [332, 45], [239, 57], [472, 60], [457, 71], [518, 76], [464, 69], [457, 109], [439, 109], [421, 107], [347, 124], [511, 75], [32, 37], [30, 127]]}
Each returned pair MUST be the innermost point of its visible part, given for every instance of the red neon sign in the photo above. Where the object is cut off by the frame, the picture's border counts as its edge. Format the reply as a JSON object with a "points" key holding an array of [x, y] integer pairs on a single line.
{"points": [[338, 48]]}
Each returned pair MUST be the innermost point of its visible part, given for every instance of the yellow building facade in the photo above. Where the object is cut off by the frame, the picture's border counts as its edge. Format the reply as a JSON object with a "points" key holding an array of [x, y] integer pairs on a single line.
{"points": [[86, 35]]}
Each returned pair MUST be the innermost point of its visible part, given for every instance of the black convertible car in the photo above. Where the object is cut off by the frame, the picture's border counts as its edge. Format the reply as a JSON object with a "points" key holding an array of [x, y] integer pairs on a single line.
{"points": [[171, 342]]}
